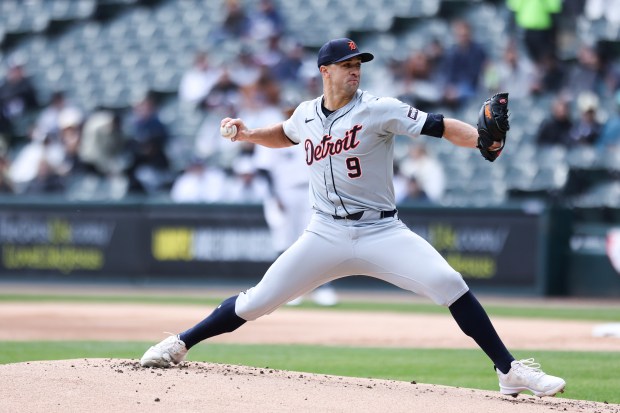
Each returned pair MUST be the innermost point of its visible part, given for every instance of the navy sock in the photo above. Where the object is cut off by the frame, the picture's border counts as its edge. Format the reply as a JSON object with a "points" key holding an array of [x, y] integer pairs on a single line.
{"points": [[222, 320], [474, 321]]}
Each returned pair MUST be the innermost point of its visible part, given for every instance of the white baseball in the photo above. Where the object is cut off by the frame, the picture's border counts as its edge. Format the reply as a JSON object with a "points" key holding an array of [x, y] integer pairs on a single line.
{"points": [[228, 132]]}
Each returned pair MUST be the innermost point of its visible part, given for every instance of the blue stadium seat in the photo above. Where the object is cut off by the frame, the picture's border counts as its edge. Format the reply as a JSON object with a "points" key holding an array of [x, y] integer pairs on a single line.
{"points": [[582, 157]]}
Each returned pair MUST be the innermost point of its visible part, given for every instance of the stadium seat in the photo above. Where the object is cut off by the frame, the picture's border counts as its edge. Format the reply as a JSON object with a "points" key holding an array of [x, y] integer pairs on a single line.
{"points": [[582, 157], [603, 194], [611, 160], [114, 60]]}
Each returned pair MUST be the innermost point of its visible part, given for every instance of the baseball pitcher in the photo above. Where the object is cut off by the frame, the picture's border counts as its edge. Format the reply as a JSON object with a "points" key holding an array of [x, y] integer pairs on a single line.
{"points": [[347, 136]]}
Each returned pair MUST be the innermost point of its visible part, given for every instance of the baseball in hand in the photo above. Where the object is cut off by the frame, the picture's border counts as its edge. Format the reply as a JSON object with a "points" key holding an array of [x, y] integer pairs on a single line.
{"points": [[228, 132]]}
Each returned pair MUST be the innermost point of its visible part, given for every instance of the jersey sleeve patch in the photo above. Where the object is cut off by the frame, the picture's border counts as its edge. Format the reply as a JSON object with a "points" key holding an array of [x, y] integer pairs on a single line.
{"points": [[399, 118], [413, 113]]}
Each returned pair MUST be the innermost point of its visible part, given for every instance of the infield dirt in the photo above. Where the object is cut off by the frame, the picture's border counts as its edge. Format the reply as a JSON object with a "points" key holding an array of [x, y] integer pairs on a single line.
{"points": [[103, 385]]}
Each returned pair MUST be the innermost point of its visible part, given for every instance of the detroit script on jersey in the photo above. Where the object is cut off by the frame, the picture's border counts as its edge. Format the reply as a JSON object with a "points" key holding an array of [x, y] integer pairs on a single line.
{"points": [[350, 152], [330, 145]]}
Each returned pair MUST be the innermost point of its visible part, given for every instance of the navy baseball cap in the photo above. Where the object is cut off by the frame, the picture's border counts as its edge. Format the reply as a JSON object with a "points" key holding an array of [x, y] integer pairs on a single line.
{"points": [[339, 50]]}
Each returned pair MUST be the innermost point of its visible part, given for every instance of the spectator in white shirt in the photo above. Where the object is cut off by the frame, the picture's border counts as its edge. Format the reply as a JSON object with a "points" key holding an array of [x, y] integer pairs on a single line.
{"points": [[427, 170], [199, 80], [199, 183], [246, 186]]}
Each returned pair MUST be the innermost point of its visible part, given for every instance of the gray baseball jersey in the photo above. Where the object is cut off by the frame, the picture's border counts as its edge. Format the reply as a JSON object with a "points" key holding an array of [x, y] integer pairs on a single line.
{"points": [[350, 153], [350, 156]]}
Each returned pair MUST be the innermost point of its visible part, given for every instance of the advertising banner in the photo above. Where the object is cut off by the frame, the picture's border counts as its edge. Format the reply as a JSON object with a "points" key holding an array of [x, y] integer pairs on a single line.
{"points": [[496, 249], [68, 242]]}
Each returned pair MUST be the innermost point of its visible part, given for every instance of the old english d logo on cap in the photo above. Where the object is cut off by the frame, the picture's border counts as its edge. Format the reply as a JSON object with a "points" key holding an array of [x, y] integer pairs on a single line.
{"points": [[339, 50]]}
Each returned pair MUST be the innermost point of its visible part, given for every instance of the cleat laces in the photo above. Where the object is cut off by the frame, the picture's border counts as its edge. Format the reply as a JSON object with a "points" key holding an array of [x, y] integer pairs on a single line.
{"points": [[530, 367]]}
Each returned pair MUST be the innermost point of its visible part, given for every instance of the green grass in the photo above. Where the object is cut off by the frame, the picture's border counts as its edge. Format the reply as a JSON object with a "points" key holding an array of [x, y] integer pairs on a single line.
{"points": [[590, 376], [559, 312]]}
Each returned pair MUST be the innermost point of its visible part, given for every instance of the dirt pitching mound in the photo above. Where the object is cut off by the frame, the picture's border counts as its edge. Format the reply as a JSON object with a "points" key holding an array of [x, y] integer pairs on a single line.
{"points": [[109, 385]]}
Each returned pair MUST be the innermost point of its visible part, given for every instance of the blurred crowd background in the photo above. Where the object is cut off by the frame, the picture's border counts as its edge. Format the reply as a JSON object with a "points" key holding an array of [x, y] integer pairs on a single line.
{"points": [[115, 99]]}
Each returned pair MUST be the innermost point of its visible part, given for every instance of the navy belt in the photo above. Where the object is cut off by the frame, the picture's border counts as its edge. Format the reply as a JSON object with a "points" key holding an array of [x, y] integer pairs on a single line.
{"points": [[358, 215]]}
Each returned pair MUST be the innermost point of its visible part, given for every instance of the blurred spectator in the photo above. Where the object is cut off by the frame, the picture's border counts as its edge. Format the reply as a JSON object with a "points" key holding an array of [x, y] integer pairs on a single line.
{"points": [[199, 80], [552, 75], [266, 22], [554, 130], [587, 130], [610, 134], [463, 67], [6, 185], [287, 208], [588, 74], [45, 152], [6, 131], [18, 97], [311, 82], [536, 19], [603, 9], [200, 182], [435, 53], [245, 70], [246, 186], [594, 9], [400, 184], [272, 54], [70, 123], [260, 104], [414, 193], [418, 85], [17, 93], [25, 166], [221, 102], [611, 63], [427, 171], [288, 68], [46, 181], [236, 24], [208, 141], [103, 143], [224, 93], [43, 167], [257, 104], [47, 121], [573, 9], [149, 169], [513, 74]]}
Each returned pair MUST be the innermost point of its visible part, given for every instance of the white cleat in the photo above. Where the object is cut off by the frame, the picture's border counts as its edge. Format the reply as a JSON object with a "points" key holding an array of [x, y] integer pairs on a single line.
{"points": [[527, 375], [169, 351]]}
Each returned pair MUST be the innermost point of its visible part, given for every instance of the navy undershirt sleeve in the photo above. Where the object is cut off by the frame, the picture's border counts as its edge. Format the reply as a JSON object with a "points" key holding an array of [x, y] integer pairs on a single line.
{"points": [[433, 126]]}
